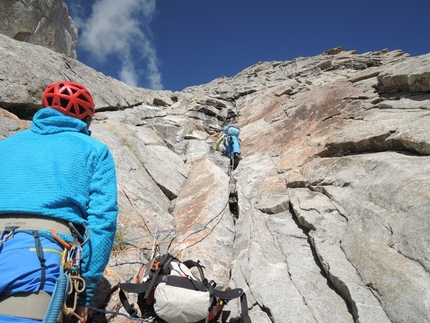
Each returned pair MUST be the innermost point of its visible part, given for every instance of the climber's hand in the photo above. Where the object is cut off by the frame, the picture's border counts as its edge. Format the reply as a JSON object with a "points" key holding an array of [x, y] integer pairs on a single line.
{"points": [[82, 311]]}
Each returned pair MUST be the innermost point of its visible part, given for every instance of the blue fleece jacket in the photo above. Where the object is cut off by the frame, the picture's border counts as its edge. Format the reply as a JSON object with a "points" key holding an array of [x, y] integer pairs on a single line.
{"points": [[57, 170]]}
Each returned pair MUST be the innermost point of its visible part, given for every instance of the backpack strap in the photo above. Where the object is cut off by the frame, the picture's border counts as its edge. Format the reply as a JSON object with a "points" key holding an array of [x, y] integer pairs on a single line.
{"points": [[41, 256], [144, 288], [127, 306], [140, 287], [186, 283], [244, 309], [191, 264], [228, 294], [160, 266]]}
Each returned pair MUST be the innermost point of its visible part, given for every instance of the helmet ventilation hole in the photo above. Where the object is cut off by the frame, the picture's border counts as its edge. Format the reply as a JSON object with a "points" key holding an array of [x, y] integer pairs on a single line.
{"points": [[64, 102]]}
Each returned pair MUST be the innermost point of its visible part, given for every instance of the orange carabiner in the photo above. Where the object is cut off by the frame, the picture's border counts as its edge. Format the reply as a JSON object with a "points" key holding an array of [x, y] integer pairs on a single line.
{"points": [[63, 243]]}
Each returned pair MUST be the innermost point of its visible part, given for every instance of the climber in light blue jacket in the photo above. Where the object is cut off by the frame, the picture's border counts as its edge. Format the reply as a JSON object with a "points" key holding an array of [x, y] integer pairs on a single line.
{"points": [[230, 139], [52, 174]]}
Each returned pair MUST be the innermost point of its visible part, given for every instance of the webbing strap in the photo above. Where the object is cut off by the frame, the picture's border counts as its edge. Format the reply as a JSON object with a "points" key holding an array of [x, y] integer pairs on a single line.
{"points": [[144, 288], [244, 309], [191, 264], [186, 283], [127, 306], [228, 294], [32, 306], [41, 256], [165, 261], [171, 280], [33, 222], [140, 287]]}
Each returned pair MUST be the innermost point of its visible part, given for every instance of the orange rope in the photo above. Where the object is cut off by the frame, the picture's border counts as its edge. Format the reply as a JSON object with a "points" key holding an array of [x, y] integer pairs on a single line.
{"points": [[195, 240], [199, 238], [147, 221]]}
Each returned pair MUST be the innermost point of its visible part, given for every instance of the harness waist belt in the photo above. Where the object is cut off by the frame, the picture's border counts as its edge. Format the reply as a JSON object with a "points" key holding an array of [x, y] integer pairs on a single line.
{"points": [[33, 222]]}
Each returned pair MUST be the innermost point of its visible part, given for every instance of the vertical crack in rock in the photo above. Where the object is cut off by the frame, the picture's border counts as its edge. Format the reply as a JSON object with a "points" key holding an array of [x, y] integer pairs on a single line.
{"points": [[267, 311], [332, 282], [233, 205], [233, 200], [262, 307], [276, 244]]}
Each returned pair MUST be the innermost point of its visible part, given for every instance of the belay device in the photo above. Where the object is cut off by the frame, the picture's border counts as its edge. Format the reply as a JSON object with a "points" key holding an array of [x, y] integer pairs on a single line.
{"points": [[168, 292]]}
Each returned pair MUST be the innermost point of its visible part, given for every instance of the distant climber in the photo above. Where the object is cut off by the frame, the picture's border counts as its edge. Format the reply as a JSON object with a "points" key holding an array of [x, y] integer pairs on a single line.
{"points": [[230, 139]]}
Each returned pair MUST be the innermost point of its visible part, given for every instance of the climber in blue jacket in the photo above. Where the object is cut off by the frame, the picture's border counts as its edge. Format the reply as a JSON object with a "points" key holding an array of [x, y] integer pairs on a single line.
{"points": [[230, 139], [52, 174]]}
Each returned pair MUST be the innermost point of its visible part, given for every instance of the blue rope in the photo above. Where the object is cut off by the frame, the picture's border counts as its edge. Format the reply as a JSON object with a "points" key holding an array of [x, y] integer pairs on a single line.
{"points": [[57, 298], [146, 320], [197, 227]]}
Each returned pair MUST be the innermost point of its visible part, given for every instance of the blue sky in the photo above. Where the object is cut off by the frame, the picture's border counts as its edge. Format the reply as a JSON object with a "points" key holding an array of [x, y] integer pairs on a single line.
{"points": [[173, 44]]}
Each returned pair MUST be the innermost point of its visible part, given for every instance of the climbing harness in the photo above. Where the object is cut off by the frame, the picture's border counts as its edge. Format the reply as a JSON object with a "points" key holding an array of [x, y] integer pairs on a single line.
{"points": [[41, 305]]}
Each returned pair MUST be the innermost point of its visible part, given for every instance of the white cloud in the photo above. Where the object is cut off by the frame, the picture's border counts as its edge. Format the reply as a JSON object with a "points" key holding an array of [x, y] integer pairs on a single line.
{"points": [[127, 73], [121, 28]]}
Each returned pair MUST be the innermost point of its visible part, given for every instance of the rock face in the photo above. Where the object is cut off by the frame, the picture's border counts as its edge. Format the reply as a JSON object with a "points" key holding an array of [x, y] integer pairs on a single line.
{"points": [[326, 217], [40, 22]]}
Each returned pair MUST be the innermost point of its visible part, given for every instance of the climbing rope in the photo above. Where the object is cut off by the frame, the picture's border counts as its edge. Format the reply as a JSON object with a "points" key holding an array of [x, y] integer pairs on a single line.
{"points": [[131, 200], [197, 228], [145, 320], [156, 233]]}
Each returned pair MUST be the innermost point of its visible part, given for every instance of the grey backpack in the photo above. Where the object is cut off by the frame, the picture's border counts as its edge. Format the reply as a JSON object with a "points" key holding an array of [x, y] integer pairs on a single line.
{"points": [[169, 292]]}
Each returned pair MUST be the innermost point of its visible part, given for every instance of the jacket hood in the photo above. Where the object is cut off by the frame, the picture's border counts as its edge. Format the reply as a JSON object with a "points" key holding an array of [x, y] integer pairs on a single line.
{"points": [[49, 121]]}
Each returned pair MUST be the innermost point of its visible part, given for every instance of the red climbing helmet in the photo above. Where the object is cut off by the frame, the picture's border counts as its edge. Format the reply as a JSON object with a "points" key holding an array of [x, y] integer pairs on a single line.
{"points": [[70, 98]]}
